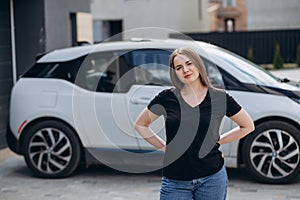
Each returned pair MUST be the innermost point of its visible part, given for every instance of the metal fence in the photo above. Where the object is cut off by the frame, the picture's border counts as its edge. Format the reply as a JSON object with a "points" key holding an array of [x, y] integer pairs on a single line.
{"points": [[263, 43]]}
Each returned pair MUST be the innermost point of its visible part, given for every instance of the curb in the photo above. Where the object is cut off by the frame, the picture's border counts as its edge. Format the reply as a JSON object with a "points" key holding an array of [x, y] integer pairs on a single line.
{"points": [[6, 154]]}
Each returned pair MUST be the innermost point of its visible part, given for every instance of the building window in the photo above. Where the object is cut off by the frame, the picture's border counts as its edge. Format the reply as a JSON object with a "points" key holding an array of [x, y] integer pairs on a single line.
{"points": [[229, 3]]}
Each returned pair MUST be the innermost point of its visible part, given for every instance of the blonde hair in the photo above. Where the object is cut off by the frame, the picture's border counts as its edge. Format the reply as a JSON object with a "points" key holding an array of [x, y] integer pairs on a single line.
{"points": [[196, 60]]}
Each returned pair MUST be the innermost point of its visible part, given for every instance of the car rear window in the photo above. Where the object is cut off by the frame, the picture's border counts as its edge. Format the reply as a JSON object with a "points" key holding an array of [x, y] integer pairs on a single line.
{"points": [[61, 70]]}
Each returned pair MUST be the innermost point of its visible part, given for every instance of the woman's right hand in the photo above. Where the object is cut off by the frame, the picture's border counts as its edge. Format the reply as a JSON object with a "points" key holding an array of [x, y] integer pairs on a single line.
{"points": [[142, 125]]}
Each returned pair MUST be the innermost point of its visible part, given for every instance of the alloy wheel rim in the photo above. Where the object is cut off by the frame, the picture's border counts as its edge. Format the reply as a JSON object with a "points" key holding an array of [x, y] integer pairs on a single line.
{"points": [[274, 154], [50, 150]]}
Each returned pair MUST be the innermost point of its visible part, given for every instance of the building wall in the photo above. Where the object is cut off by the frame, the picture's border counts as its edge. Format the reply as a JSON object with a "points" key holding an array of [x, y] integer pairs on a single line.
{"points": [[57, 21], [192, 16], [241, 23], [42, 26], [6, 77], [273, 14], [39, 26], [167, 16]]}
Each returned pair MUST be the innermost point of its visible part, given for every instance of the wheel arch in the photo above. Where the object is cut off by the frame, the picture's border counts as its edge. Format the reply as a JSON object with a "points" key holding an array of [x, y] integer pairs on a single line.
{"points": [[260, 121], [38, 120]]}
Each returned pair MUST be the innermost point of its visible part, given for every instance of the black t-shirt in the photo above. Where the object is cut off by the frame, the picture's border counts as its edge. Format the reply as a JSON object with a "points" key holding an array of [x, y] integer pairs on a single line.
{"points": [[192, 132]]}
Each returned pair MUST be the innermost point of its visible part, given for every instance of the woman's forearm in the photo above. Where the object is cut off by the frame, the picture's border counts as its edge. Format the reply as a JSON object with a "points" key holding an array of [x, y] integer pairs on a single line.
{"points": [[245, 126], [151, 137], [233, 135]]}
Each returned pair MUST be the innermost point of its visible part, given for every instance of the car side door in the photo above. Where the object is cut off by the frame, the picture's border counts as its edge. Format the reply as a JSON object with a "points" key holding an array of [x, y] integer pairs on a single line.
{"points": [[102, 75], [151, 72]]}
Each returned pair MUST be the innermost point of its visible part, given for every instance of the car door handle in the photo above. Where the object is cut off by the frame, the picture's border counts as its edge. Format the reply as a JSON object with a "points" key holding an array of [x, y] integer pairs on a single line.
{"points": [[140, 100]]}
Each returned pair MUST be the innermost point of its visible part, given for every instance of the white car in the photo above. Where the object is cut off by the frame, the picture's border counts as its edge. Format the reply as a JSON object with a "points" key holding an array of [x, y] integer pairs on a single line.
{"points": [[78, 105]]}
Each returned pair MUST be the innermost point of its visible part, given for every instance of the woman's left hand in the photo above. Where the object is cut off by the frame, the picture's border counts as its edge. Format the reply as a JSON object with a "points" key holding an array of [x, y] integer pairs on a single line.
{"points": [[245, 126]]}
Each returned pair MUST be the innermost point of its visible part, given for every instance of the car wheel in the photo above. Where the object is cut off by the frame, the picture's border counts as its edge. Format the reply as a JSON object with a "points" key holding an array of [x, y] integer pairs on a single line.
{"points": [[271, 152], [52, 149]]}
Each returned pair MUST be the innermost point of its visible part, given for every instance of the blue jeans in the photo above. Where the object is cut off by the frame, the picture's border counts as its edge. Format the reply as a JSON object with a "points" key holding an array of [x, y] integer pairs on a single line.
{"points": [[213, 187]]}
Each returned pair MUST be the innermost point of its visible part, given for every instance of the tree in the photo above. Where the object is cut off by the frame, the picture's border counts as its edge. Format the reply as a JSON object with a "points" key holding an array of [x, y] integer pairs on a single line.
{"points": [[277, 61], [298, 56], [250, 54]]}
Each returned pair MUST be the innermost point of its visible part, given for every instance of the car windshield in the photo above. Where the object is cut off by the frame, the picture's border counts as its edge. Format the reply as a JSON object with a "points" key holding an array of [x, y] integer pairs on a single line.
{"points": [[255, 72]]}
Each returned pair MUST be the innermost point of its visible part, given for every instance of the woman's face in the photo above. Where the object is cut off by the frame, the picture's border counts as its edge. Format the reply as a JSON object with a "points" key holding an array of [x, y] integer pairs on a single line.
{"points": [[185, 70]]}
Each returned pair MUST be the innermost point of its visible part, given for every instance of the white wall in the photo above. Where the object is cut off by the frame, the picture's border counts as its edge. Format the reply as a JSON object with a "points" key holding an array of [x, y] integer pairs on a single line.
{"points": [[170, 15], [188, 19], [273, 14], [57, 21]]}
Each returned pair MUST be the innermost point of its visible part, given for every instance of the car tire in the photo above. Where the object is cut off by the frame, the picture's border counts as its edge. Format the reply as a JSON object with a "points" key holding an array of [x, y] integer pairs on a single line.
{"points": [[51, 149], [271, 153]]}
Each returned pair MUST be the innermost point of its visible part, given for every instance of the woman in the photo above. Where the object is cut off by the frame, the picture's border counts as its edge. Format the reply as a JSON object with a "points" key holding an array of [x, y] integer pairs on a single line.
{"points": [[193, 112]]}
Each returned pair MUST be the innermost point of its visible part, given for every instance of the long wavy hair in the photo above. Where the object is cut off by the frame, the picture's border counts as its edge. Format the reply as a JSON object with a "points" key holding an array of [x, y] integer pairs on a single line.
{"points": [[196, 60]]}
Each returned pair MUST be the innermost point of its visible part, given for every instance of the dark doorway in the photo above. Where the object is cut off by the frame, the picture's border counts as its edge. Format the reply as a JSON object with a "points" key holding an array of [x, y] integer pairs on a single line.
{"points": [[113, 30], [229, 25]]}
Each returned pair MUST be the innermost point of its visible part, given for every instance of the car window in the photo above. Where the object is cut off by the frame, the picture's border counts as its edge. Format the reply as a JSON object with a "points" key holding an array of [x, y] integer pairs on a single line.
{"points": [[213, 73], [102, 72], [61, 70], [256, 73], [151, 67], [117, 71]]}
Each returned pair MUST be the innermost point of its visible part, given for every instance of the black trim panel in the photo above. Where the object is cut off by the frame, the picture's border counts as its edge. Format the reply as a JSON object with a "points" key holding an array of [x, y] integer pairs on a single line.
{"points": [[232, 83]]}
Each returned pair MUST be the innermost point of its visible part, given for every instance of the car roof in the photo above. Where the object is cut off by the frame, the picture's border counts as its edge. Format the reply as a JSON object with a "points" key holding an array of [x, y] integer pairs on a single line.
{"points": [[62, 55]]}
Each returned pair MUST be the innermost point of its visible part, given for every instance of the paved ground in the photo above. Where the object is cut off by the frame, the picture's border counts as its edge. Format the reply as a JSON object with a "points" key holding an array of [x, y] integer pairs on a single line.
{"points": [[293, 74]]}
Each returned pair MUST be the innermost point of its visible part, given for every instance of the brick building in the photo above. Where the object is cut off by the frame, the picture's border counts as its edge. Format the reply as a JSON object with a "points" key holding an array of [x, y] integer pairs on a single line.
{"points": [[228, 15]]}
